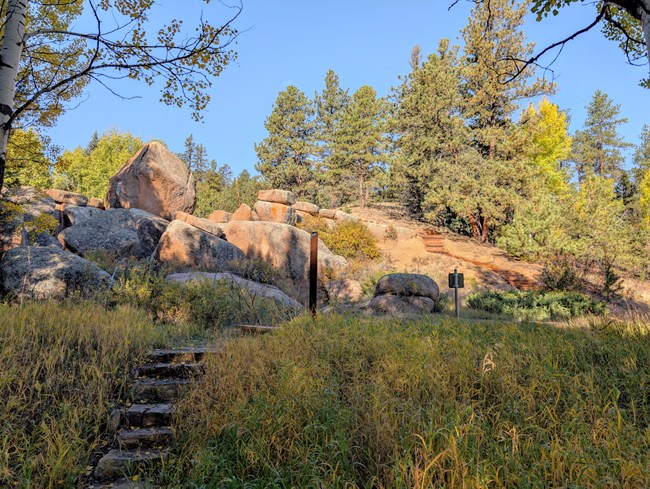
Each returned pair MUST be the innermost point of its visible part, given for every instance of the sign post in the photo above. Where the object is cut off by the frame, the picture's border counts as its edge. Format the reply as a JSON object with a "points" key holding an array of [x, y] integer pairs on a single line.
{"points": [[313, 273], [456, 281]]}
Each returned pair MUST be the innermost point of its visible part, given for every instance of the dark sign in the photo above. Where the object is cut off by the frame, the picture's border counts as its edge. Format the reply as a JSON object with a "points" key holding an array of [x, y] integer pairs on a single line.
{"points": [[456, 280]]}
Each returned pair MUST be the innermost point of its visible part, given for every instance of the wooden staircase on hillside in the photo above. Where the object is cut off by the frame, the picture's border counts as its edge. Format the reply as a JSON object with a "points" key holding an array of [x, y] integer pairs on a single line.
{"points": [[434, 242]]}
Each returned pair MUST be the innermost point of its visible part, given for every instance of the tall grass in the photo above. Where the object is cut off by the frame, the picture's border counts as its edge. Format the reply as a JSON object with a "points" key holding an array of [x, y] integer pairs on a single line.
{"points": [[386, 403], [61, 368]]}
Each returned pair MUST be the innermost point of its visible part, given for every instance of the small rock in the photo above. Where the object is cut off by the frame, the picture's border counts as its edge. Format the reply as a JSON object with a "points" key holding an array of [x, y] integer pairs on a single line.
{"points": [[96, 203], [203, 224], [220, 217], [243, 213]]}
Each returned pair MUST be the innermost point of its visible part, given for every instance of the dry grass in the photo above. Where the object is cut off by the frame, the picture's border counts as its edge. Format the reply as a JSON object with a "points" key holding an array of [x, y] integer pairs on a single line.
{"points": [[62, 366], [386, 403]]}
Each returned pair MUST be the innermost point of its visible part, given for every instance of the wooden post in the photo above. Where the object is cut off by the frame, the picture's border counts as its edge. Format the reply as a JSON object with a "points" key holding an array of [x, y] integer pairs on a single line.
{"points": [[313, 273]]}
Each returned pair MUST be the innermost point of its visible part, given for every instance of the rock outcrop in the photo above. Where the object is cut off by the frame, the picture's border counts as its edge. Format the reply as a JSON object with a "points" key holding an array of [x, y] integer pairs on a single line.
{"points": [[274, 212], [119, 232], [307, 208], [15, 225], [65, 197], [252, 288], [405, 293], [285, 247], [200, 223], [34, 272], [154, 180], [278, 196], [74, 214], [187, 245]]}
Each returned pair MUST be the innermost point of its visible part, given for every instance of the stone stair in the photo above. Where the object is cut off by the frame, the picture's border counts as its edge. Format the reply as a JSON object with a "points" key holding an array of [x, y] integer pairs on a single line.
{"points": [[143, 431]]}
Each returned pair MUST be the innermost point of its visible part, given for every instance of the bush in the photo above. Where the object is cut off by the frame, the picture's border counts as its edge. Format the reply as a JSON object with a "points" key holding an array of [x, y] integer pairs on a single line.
{"points": [[560, 274], [202, 302], [536, 306], [348, 239]]}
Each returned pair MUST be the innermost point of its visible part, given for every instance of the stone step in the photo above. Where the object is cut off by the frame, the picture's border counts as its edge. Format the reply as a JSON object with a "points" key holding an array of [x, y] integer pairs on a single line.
{"points": [[256, 328], [169, 370], [117, 463], [180, 355], [159, 390], [144, 437], [149, 415]]}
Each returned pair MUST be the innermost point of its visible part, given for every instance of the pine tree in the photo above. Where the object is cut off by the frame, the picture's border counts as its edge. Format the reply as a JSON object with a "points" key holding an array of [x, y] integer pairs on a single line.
{"points": [[641, 156], [359, 145], [495, 175], [429, 132], [599, 144], [286, 154], [330, 105], [200, 163], [189, 155]]}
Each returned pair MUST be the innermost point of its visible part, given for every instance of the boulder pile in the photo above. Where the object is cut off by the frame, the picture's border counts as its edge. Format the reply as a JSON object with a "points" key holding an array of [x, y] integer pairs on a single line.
{"points": [[147, 214]]}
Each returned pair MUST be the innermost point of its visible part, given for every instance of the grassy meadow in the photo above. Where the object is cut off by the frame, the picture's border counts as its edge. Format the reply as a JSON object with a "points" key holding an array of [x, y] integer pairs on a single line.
{"points": [[387, 403], [62, 368], [340, 402]]}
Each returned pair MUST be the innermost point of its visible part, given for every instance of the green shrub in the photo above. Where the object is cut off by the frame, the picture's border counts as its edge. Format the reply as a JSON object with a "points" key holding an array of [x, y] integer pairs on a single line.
{"points": [[202, 302], [560, 273], [536, 306], [351, 240], [391, 233]]}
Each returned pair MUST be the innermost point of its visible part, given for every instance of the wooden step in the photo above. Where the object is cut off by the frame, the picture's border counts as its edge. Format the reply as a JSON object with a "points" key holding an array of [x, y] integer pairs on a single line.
{"points": [[159, 390], [118, 463], [149, 415], [144, 437], [170, 370]]}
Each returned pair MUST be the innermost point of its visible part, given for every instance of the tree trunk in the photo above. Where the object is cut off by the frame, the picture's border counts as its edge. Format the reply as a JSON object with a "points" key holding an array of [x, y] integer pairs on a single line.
{"points": [[475, 231], [361, 201], [485, 231], [10, 53]]}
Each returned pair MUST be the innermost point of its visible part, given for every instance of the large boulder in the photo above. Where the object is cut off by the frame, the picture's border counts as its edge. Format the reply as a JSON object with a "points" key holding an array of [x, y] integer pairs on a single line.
{"points": [[252, 288], [407, 284], [48, 273], [396, 305], [307, 208], [154, 180], [327, 213], [340, 216], [118, 232], [184, 244], [278, 196], [405, 293], [65, 197], [285, 247], [74, 214], [274, 212]]}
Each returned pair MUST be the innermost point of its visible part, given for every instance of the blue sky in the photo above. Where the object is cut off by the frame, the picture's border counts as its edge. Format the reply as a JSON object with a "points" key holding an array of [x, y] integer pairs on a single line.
{"points": [[295, 42]]}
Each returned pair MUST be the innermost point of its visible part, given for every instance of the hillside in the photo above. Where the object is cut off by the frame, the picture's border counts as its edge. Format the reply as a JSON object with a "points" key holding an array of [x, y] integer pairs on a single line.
{"points": [[485, 266]]}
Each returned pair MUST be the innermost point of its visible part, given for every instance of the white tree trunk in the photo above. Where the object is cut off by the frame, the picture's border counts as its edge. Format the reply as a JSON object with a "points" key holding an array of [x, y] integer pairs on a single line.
{"points": [[11, 51]]}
